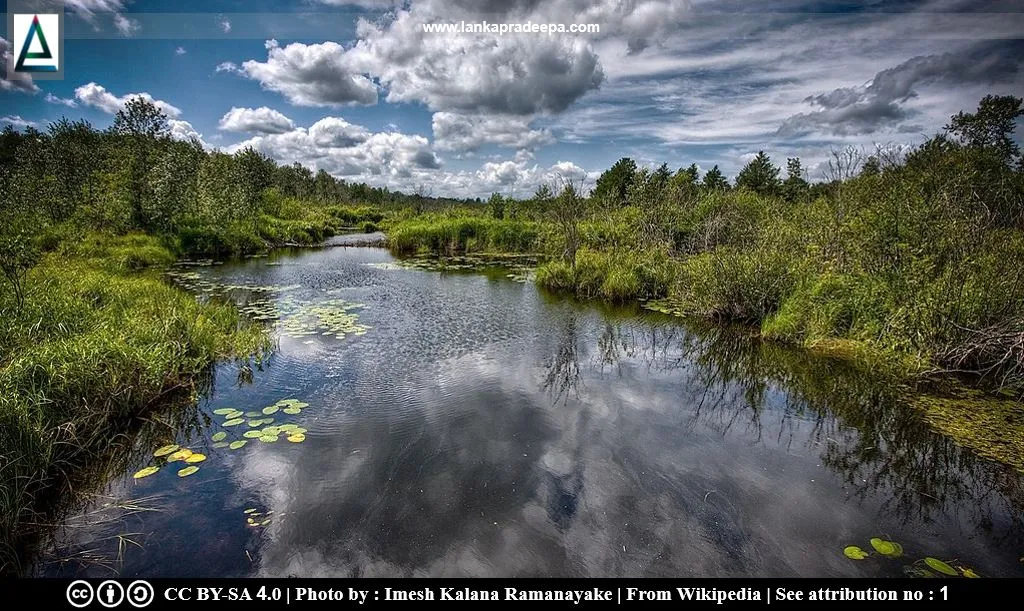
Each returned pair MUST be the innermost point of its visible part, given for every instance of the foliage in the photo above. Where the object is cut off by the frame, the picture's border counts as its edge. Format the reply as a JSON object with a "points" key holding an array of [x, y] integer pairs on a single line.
{"points": [[759, 175]]}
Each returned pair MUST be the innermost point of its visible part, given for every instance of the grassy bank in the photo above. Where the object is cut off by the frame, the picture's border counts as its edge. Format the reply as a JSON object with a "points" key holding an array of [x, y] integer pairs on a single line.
{"points": [[97, 341]]}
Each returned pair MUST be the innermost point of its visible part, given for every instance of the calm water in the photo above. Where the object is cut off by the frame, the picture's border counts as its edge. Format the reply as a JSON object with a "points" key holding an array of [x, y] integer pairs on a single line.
{"points": [[481, 428]]}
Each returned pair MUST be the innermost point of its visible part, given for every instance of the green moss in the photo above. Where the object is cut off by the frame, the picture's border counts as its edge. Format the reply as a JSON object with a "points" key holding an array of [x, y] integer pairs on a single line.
{"points": [[992, 427]]}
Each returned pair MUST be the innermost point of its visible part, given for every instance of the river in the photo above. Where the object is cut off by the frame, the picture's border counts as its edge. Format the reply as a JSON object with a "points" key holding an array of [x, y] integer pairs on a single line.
{"points": [[464, 423]]}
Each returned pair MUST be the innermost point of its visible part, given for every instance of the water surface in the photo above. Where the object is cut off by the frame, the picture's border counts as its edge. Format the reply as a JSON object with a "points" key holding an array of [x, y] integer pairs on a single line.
{"points": [[477, 427]]}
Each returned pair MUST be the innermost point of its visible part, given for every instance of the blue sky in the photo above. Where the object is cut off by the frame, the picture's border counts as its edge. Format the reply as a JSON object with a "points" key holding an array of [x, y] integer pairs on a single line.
{"points": [[358, 89]]}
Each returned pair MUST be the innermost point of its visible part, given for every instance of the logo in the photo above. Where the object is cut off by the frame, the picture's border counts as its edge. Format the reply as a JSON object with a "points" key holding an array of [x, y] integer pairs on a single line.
{"points": [[140, 593], [80, 593], [110, 593], [36, 37]]}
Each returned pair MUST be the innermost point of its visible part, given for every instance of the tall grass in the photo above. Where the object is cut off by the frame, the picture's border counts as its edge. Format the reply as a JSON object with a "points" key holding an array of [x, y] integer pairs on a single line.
{"points": [[95, 345], [449, 235]]}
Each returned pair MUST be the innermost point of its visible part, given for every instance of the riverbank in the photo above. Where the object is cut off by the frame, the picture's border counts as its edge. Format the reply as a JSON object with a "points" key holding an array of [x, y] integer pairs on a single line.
{"points": [[99, 340]]}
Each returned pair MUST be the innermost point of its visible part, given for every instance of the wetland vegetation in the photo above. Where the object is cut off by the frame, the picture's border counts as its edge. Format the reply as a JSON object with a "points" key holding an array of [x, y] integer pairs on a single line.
{"points": [[133, 263]]}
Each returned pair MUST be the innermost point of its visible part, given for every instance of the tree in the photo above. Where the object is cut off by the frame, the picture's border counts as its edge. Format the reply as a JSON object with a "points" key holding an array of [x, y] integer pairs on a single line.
{"points": [[613, 185], [140, 125], [795, 187], [568, 210], [496, 204], [759, 176], [872, 166], [991, 127], [255, 174], [714, 180]]}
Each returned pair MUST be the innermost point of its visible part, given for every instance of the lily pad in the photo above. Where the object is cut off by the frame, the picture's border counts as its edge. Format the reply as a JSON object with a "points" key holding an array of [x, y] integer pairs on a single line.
{"points": [[854, 553], [889, 549], [253, 414], [188, 471], [940, 566], [970, 574], [300, 405], [235, 445], [291, 411], [271, 410], [219, 436], [141, 473], [234, 422], [224, 411], [196, 457], [181, 454], [268, 438], [252, 434], [255, 423], [296, 438], [167, 449], [300, 429], [250, 510], [288, 427], [271, 431], [220, 445]]}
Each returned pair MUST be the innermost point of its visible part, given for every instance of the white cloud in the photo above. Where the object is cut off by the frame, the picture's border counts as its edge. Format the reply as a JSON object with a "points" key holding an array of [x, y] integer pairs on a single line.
{"points": [[457, 132], [89, 7], [97, 96], [225, 25], [335, 132], [311, 75], [20, 82], [260, 120], [126, 26], [17, 121], [180, 51], [69, 102], [183, 130], [227, 67]]}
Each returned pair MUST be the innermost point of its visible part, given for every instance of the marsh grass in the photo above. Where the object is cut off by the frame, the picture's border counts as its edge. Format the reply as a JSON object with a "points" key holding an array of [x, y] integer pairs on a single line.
{"points": [[98, 341]]}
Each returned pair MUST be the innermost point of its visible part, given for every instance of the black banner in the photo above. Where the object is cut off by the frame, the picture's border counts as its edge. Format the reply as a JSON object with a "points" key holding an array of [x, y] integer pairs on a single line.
{"points": [[98, 594]]}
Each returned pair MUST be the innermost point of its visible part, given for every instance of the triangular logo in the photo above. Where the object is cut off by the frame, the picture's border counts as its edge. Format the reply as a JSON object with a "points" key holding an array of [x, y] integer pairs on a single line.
{"points": [[33, 31]]}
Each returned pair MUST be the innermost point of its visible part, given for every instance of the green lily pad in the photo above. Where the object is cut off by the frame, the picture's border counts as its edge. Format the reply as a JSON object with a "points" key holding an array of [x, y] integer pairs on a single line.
{"points": [[299, 430], [234, 422], [255, 422], [250, 510], [224, 411], [291, 411], [300, 405], [271, 431], [219, 436], [271, 410], [252, 434], [287, 401], [195, 457], [296, 438], [235, 445], [188, 471], [167, 449], [253, 414], [940, 566], [268, 438], [854, 553], [181, 454], [288, 427], [890, 549], [220, 445], [141, 473]]}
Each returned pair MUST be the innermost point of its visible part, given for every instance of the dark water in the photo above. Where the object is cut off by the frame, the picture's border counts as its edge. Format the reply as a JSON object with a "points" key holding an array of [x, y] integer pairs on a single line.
{"points": [[482, 428]]}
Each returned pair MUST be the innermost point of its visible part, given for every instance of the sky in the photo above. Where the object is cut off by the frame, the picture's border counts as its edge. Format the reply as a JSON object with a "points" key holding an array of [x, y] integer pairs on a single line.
{"points": [[359, 89]]}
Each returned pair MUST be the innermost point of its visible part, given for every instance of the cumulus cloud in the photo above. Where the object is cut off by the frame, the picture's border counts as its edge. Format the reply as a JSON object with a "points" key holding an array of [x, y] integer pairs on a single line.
{"points": [[457, 132], [126, 26], [311, 75], [225, 25], [343, 149], [260, 120], [228, 67], [20, 82], [69, 102], [183, 130], [97, 96], [860, 110], [16, 121]]}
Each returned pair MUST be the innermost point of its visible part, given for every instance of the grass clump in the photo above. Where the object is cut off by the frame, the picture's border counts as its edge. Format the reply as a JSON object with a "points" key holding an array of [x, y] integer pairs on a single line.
{"points": [[94, 344]]}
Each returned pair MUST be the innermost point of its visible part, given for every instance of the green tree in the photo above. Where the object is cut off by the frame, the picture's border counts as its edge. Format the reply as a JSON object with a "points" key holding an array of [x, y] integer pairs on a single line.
{"points": [[255, 173], [714, 180], [759, 176], [872, 166], [613, 185], [795, 187], [496, 205], [141, 127], [991, 127]]}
